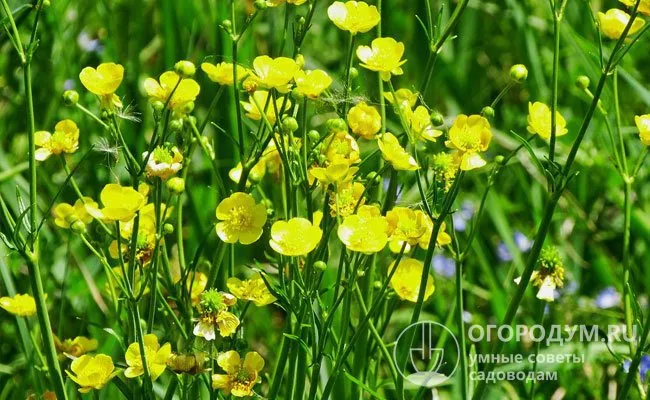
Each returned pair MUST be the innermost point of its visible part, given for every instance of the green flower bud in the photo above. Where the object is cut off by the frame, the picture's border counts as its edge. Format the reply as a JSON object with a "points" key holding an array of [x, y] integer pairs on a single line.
{"points": [[260, 5], [78, 227], [176, 185], [583, 82], [300, 60], [354, 73], [70, 97], [169, 229], [176, 125], [185, 68], [187, 107], [437, 118], [320, 265], [519, 72], [336, 125], [289, 124], [227, 24], [487, 112], [297, 96], [313, 135], [499, 159], [158, 106]]}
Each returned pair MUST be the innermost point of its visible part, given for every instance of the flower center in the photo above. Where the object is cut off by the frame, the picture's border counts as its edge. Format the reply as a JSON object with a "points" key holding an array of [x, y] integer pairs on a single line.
{"points": [[240, 219]]}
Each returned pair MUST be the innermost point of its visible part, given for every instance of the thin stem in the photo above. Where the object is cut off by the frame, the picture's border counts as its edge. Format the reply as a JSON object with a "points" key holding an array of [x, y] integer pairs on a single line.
{"points": [[554, 91]]}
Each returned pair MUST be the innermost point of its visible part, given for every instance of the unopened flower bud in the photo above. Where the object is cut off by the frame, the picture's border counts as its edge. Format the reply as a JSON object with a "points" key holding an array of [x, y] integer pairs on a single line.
{"points": [[70, 97], [300, 60], [519, 72], [437, 118], [169, 229], [354, 73], [227, 25], [336, 125], [583, 82], [78, 227], [313, 135], [185, 68], [176, 125], [176, 185], [320, 265], [46, 3], [297, 96], [289, 124], [487, 112], [499, 159], [158, 106], [260, 5], [187, 107]]}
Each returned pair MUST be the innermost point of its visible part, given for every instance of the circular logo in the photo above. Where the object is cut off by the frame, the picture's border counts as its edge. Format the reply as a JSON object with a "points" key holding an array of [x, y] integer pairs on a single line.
{"points": [[426, 354]]}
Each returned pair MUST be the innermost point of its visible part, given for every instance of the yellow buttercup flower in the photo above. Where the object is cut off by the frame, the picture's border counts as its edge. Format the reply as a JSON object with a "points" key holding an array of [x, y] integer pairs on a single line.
{"points": [[241, 220], [197, 286], [213, 308], [241, 376], [253, 289], [470, 136], [384, 56], [613, 22], [172, 90], [341, 145], [164, 162], [336, 173], [21, 305], [121, 203], [406, 280], [103, 82], [224, 73], [256, 174], [443, 238], [146, 240], [65, 139], [539, 121], [353, 16], [365, 232], [91, 372], [274, 73], [296, 237], [346, 198], [421, 125], [312, 83], [155, 355], [395, 154], [643, 125], [74, 348], [406, 99], [364, 120], [66, 214], [192, 363], [644, 5], [261, 98], [406, 225]]}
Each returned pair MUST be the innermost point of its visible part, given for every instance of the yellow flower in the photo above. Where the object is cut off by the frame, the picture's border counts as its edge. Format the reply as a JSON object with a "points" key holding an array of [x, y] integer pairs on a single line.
{"points": [[341, 145], [644, 5], [365, 231], [406, 225], [74, 348], [253, 289], [395, 154], [274, 73], [193, 363], [470, 136], [443, 238], [21, 305], [643, 125], [613, 22], [65, 139], [338, 172], [224, 73], [155, 355], [346, 198], [406, 99], [353, 16], [181, 90], [364, 120], [240, 375], [241, 220], [164, 162], [261, 98], [197, 286], [421, 126], [312, 83], [103, 82], [406, 280], [214, 314], [65, 214], [539, 120], [384, 56], [91, 372], [444, 167], [296, 237], [121, 203]]}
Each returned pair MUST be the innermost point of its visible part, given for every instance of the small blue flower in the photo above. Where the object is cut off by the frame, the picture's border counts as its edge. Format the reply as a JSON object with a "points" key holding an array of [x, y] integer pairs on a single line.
{"points": [[523, 243], [443, 266], [644, 366], [69, 84], [503, 254], [463, 216], [608, 298]]}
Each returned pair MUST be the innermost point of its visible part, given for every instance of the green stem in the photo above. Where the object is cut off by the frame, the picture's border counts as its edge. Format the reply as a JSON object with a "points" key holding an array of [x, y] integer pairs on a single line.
{"points": [[554, 93], [461, 329], [348, 67]]}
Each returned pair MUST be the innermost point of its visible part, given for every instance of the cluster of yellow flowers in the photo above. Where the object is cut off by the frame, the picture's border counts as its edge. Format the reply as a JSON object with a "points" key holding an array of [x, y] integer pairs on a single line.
{"points": [[613, 22]]}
